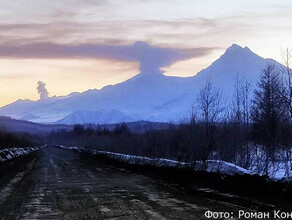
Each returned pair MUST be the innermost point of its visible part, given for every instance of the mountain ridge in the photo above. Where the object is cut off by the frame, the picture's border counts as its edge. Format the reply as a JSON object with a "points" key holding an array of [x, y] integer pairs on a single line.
{"points": [[153, 97]]}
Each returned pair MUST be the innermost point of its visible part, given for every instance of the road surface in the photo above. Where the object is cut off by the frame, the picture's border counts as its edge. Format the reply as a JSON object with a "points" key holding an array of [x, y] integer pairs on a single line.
{"points": [[62, 184]]}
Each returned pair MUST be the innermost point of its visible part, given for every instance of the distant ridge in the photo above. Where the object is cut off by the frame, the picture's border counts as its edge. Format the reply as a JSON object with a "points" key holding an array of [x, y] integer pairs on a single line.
{"points": [[21, 126], [9, 124], [95, 117]]}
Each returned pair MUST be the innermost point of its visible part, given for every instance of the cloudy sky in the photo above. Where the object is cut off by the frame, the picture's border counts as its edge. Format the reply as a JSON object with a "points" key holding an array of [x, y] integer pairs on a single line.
{"points": [[76, 45]]}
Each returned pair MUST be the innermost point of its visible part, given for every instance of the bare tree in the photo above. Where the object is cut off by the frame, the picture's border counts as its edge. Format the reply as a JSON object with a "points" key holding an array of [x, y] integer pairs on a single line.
{"points": [[241, 118], [287, 100], [209, 106], [287, 80], [209, 103]]}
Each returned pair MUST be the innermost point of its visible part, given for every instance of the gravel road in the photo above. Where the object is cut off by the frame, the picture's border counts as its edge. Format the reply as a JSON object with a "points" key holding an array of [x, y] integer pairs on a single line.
{"points": [[62, 184]]}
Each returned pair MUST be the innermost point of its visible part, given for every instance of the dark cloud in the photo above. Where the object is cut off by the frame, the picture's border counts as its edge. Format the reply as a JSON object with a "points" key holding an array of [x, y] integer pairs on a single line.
{"points": [[98, 31], [151, 58]]}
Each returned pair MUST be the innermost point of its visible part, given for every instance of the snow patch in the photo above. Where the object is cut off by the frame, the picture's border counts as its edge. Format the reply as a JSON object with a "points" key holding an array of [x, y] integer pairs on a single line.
{"points": [[11, 153]]}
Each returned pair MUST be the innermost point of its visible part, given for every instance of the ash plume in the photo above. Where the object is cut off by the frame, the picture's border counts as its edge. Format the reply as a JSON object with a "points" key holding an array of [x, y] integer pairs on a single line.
{"points": [[151, 58], [44, 94]]}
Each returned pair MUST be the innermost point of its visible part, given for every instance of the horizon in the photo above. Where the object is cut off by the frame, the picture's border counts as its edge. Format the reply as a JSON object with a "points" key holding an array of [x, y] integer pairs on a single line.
{"points": [[72, 48], [139, 73]]}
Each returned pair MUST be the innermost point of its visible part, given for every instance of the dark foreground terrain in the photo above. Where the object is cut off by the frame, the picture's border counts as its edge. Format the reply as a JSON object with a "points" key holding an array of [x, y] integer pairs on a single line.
{"points": [[61, 184]]}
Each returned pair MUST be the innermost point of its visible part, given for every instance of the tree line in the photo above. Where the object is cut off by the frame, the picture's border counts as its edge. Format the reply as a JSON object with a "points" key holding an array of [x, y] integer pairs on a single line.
{"points": [[11, 140]]}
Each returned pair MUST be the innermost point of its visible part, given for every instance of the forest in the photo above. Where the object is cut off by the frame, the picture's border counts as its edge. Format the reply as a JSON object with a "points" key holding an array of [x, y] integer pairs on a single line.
{"points": [[12, 140]]}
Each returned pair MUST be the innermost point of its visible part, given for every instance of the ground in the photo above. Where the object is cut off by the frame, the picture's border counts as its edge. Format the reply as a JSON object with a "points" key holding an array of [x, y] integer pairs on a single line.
{"points": [[61, 184]]}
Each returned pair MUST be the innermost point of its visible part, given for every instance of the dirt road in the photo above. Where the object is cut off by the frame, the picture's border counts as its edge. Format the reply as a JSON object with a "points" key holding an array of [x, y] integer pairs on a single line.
{"points": [[61, 184]]}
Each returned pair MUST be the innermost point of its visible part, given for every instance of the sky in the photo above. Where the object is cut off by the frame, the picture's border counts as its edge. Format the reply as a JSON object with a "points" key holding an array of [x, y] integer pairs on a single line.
{"points": [[76, 45]]}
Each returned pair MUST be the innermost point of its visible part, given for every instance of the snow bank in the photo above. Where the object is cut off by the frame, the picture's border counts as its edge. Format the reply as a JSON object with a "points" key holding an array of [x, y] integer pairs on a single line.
{"points": [[11, 153], [130, 158], [220, 166], [279, 168], [141, 160], [209, 166], [71, 148]]}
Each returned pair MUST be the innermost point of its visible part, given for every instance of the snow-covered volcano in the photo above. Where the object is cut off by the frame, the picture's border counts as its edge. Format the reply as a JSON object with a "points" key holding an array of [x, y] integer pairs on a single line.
{"points": [[153, 97]]}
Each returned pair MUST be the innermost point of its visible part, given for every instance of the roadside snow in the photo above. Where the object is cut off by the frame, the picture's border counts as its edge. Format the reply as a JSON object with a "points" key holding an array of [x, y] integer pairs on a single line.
{"points": [[209, 166], [11, 153], [220, 166], [70, 148]]}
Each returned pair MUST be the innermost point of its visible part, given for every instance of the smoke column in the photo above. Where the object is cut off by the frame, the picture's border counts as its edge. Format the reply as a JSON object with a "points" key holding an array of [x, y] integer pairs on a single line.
{"points": [[42, 90]]}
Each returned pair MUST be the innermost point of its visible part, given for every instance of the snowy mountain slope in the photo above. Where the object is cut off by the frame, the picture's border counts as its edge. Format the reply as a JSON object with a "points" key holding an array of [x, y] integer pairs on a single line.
{"points": [[146, 96], [236, 61], [95, 117], [137, 98]]}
